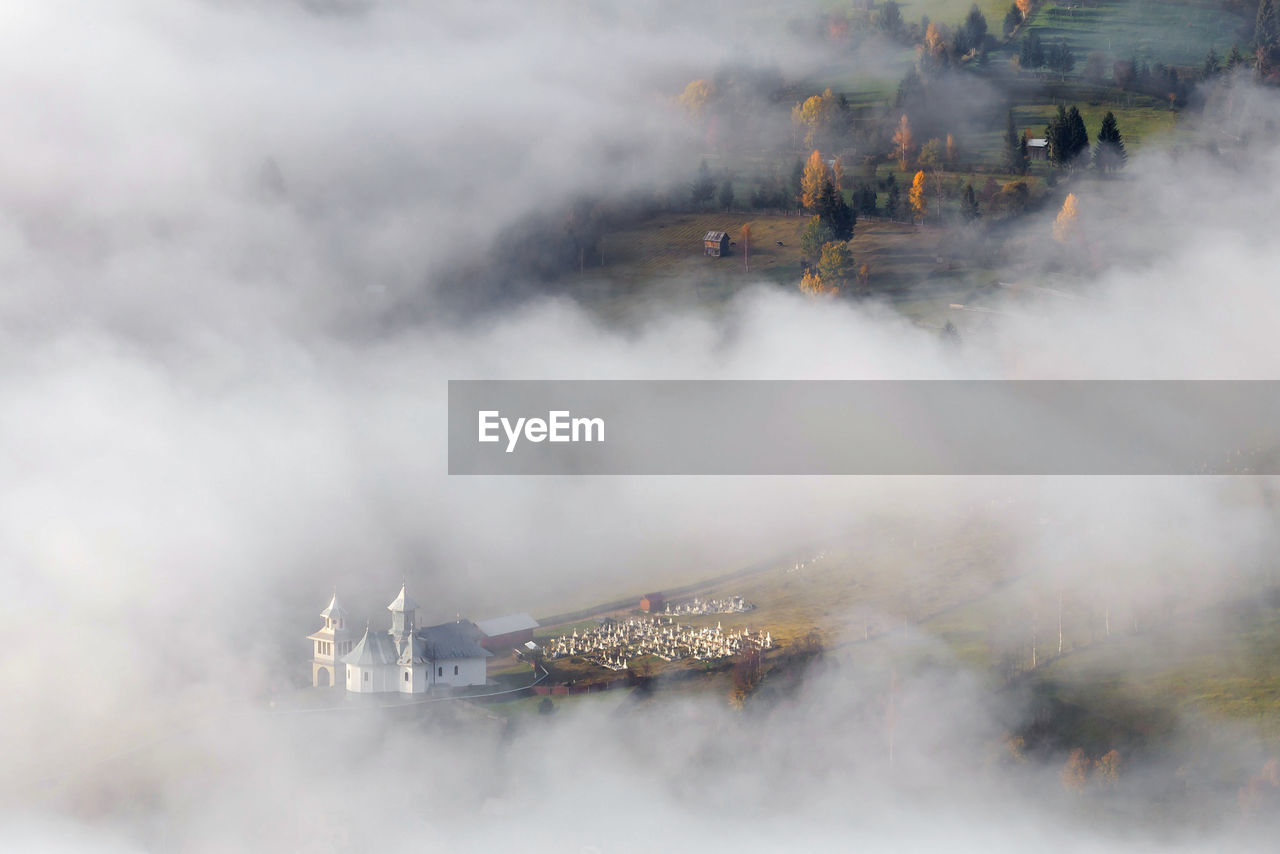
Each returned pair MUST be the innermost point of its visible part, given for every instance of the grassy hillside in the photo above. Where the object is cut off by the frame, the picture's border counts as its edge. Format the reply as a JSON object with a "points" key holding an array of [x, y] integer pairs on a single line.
{"points": [[1175, 32]]}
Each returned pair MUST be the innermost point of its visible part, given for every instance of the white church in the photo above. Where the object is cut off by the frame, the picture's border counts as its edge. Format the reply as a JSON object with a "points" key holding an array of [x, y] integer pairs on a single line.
{"points": [[404, 659]]}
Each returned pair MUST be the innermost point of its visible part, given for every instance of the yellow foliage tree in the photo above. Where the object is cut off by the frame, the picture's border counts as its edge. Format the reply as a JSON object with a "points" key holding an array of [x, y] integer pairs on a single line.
{"points": [[1065, 226], [952, 151], [695, 96], [904, 142], [745, 237], [816, 172], [815, 114], [1024, 6], [811, 284], [919, 203], [837, 172]]}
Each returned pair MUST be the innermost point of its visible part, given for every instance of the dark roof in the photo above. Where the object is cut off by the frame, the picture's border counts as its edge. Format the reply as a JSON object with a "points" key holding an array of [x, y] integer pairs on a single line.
{"points": [[714, 235], [452, 640]]}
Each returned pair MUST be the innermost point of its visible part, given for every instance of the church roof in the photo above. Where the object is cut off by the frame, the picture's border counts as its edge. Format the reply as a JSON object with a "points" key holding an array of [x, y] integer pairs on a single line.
{"points": [[402, 602], [373, 648], [334, 609], [452, 640], [505, 625]]}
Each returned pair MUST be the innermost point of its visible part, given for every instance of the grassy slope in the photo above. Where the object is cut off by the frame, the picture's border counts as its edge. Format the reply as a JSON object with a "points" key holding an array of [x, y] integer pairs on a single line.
{"points": [[1175, 32]]}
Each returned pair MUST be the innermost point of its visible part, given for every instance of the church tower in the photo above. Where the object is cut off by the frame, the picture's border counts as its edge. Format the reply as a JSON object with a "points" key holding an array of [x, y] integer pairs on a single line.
{"points": [[404, 612], [330, 643]]}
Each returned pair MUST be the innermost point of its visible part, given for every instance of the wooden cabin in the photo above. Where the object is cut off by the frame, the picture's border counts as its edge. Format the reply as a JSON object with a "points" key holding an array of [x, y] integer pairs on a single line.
{"points": [[715, 244]]}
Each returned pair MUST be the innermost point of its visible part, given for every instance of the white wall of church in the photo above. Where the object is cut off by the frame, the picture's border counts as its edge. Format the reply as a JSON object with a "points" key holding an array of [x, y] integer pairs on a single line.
{"points": [[470, 671], [379, 678], [413, 680]]}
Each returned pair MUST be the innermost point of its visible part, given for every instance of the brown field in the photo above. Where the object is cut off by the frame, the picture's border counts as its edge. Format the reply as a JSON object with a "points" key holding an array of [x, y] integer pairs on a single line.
{"points": [[660, 261]]}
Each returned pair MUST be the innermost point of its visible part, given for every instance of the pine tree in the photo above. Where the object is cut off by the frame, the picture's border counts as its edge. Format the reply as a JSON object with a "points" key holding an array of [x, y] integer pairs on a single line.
{"points": [[726, 194], [1077, 135], [834, 211], [1212, 65], [797, 181], [1057, 136], [969, 204], [1012, 157], [1234, 58], [1109, 154], [1012, 20], [703, 187], [893, 199]]}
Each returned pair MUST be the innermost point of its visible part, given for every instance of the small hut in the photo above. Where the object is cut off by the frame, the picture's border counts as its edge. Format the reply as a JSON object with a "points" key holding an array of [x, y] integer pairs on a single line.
{"points": [[715, 244]]}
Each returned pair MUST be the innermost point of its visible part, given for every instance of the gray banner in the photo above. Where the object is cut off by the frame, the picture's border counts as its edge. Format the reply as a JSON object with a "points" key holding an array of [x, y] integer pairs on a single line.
{"points": [[864, 427]]}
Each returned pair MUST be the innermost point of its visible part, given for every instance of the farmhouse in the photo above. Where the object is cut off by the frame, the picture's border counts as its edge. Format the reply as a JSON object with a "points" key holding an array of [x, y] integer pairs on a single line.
{"points": [[1037, 148], [405, 659], [715, 243], [500, 634]]}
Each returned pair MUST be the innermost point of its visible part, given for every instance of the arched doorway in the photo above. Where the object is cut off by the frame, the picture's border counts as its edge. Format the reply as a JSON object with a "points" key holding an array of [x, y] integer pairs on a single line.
{"points": [[323, 679]]}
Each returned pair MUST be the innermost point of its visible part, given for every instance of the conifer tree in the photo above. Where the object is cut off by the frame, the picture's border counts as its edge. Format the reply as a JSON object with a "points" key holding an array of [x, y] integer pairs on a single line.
{"points": [[1109, 154]]}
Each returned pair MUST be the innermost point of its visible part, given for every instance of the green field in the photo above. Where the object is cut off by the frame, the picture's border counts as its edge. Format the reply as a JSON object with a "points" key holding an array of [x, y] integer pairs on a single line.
{"points": [[1175, 32]]}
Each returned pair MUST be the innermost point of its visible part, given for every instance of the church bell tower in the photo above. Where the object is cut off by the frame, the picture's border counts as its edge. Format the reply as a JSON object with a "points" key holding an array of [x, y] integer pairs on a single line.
{"points": [[329, 644]]}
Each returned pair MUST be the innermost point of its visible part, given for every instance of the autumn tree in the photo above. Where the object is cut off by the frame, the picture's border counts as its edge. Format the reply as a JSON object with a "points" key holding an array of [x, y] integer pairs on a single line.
{"points": [[1107, 768], [1109, 154], [904, 142], [811, 283], [1075, 773], [745, 237], [1066, 225], [819, 115], [695, 97], [931, 154], [919, 203], [836, 267], [952, 151], [1024, 6], [816, 172]]}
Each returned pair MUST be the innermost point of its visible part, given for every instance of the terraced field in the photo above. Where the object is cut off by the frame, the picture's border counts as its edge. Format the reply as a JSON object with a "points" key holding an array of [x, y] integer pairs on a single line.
{"points": [[1175, 32]]}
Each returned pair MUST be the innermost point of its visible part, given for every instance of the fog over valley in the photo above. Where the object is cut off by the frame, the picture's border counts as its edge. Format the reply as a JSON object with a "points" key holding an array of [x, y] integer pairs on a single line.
{"points": [[245, 245]]}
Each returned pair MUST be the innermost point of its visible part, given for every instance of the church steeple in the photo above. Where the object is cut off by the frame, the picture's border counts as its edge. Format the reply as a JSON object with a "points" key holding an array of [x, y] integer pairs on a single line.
{"points": [[330, 643], [403, 616]]}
